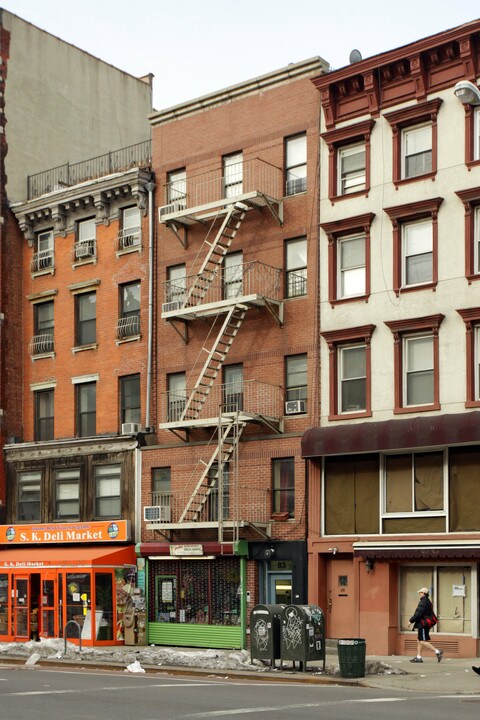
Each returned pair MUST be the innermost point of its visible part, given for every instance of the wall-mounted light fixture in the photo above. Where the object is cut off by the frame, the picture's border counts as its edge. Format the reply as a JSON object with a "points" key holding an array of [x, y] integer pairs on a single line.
{"points": [[467, 92], [333, 550], [369, 564]]}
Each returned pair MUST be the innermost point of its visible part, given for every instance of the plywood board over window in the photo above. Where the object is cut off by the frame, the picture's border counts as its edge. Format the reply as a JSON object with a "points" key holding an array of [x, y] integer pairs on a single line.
{"points": [[352, 495], [463, 501]]}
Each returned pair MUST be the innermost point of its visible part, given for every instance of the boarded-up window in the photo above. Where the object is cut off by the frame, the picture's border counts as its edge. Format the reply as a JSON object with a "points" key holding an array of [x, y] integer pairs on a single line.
{"points": [[464, 489], [352, 495], [414, 482]]}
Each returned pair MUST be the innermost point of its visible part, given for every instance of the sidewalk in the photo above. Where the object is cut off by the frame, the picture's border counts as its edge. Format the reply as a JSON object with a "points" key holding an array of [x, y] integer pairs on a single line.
{"points": [[395, 672]]}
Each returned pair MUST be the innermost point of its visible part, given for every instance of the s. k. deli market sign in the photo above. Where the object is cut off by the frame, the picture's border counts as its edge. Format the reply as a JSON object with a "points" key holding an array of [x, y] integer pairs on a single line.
{"points": [[102, 531]]}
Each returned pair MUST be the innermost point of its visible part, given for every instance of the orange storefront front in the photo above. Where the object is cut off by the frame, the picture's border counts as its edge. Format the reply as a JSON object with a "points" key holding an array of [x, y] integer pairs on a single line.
{"points": [[69, 590]]}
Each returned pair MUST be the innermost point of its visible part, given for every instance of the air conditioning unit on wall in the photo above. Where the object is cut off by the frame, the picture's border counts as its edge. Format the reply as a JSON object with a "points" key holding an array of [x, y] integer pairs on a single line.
{"points": [[295, 407], [131, 428], [156, 513]]}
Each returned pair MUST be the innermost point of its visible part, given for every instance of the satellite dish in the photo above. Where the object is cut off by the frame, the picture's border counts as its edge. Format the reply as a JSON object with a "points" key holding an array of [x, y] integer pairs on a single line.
{"points": [[355, 56]]}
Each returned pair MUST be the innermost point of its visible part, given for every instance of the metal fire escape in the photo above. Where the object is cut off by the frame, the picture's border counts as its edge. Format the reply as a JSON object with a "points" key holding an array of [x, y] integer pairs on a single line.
{"points": [[207, 403]]}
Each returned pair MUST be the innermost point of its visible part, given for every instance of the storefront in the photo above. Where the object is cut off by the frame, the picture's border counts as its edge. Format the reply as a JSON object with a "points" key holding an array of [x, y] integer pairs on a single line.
{"points": [[50, 590], [196, 593]]}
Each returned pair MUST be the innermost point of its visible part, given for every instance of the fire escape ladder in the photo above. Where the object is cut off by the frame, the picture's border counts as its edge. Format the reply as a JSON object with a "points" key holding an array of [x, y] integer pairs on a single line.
{"points": [[218, 248], [208, 482], [215, 359]]}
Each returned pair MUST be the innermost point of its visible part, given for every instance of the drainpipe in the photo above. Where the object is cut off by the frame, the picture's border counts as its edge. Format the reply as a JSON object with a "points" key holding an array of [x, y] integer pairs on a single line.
{"points": [[150, 187]]}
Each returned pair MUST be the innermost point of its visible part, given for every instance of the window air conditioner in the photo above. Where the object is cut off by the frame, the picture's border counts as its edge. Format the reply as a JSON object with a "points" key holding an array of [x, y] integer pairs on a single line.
{"points": [[294, 407], [160, 513], [83, 250], [169, 306], [131, 428]]}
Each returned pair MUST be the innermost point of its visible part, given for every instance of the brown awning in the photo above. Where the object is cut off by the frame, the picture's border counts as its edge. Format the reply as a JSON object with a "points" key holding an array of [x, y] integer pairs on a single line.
{"points": [[417, 550], [415, 432]]}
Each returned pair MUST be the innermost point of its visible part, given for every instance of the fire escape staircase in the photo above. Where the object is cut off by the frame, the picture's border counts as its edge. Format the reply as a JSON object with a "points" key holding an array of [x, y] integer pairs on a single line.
{"points": [[213, 364]]}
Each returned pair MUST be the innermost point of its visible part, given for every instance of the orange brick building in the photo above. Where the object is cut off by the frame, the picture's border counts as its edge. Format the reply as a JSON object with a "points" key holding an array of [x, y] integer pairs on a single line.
{"points": [[224, 488]]}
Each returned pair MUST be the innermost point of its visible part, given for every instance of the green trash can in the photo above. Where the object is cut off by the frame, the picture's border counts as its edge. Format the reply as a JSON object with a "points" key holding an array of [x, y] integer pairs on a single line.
{"points": [[351, 657]]}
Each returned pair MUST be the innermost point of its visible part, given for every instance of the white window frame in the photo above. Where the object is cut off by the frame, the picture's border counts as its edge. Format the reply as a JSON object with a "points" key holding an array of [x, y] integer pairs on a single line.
{"points": [[354, 270], [233, 275], [296, 168], [67, 479], [177, 188], [407, 372], [176, 286], [414, 513], [296, 274], [476, 240], [410, 132], [108, 477], [406, 256], [354, 181], [341, 349], [476, 134], [476, 362], [232, 181]]}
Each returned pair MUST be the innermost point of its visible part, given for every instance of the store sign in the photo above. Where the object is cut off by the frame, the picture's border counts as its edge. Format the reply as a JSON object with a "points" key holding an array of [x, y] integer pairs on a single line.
{"points": [[181, 550], [102, 531]]}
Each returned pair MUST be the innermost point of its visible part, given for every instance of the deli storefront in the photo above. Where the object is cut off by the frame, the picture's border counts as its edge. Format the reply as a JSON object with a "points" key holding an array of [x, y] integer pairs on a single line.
{"points": [[65, 580]]}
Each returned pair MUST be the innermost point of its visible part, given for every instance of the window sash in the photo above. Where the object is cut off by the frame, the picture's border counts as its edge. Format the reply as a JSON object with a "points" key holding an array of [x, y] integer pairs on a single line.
{"points": [[86, 319], [351, 169], [177, 187], [476, 132], [296, 377], [130, 217], [130, 299], [107, 490], [29, 495], [233, 175], [43, 316], [415, 484], [283, 482], [352, 378], [416, 151], [177, 283], [177, 395], [86, 230], [418, 363], [351, 266], [417, 253], [296, 164], [130, 399], [86, 409], [45, 241], [233, 275], [476, 240], [296, 267], [233, 388], [67, 493], [44, 415], [476, 362]]}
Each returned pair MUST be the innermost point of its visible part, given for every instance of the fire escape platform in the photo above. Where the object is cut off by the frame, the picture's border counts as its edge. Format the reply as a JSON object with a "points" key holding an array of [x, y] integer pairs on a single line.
{"points": [[275, 424], [263, 527], [255, 199], [221, 306]]}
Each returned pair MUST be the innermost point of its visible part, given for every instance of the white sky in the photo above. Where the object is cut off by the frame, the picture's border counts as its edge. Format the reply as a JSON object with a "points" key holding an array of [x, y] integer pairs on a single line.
{"points": [[194, 47]]}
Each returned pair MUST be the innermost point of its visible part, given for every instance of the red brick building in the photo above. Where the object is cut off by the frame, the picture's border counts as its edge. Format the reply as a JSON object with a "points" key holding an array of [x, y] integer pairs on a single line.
{"points": [[224, 490]]}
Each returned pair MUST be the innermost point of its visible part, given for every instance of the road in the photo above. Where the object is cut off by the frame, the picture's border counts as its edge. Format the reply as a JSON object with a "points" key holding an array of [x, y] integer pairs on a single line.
{"points": [[84, 694]]}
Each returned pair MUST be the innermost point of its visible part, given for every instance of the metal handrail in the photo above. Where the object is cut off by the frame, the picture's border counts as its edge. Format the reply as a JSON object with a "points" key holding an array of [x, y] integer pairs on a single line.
{"points": [[62, 176], [72, 622]]}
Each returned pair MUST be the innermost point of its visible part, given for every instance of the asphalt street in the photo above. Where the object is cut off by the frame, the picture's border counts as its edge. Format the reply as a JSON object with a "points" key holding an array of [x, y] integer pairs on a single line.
{"points": [[83, 694]]}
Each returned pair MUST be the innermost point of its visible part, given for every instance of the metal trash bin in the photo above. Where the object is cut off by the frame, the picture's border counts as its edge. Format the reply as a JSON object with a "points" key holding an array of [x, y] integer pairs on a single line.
{"points": [[303, 634], [351, 657], [265, 632]]}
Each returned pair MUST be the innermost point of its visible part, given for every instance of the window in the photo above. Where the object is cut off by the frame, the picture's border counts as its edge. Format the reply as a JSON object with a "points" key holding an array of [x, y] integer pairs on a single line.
{"points": [[414, 483], [43, 257], [177, 189], [232, 175], [351, 488], [233, 275], [29, 496], [43, 400], [107, 491], [471, 318], [416, 367], [414, 137], [130, 399], [85, 247], [296, 379], [129, 320], [417, 253], [283, 486], [131, 230], [86, 311], [476, 134], [42, 341], [176, 285], [348, 258], [349, 371], [351, 266], [233, 388], [296, 267], [86, 409], [67, 494], [351, 169], [471, 201], [214, 498], [349, 159], [161, 491], [177, 395], [352, 378], [415, 245], [296, 164], [454, 612]]}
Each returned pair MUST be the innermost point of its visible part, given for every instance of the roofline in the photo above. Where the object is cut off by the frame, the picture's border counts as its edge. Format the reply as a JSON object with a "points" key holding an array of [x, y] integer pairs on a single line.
{"points": [[418, 46], [293, 71]]}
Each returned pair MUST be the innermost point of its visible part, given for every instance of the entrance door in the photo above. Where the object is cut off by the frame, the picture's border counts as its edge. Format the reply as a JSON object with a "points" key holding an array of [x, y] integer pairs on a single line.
{"points": [[341, 613], [48, 595], [279, 588], [21, 607]]}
